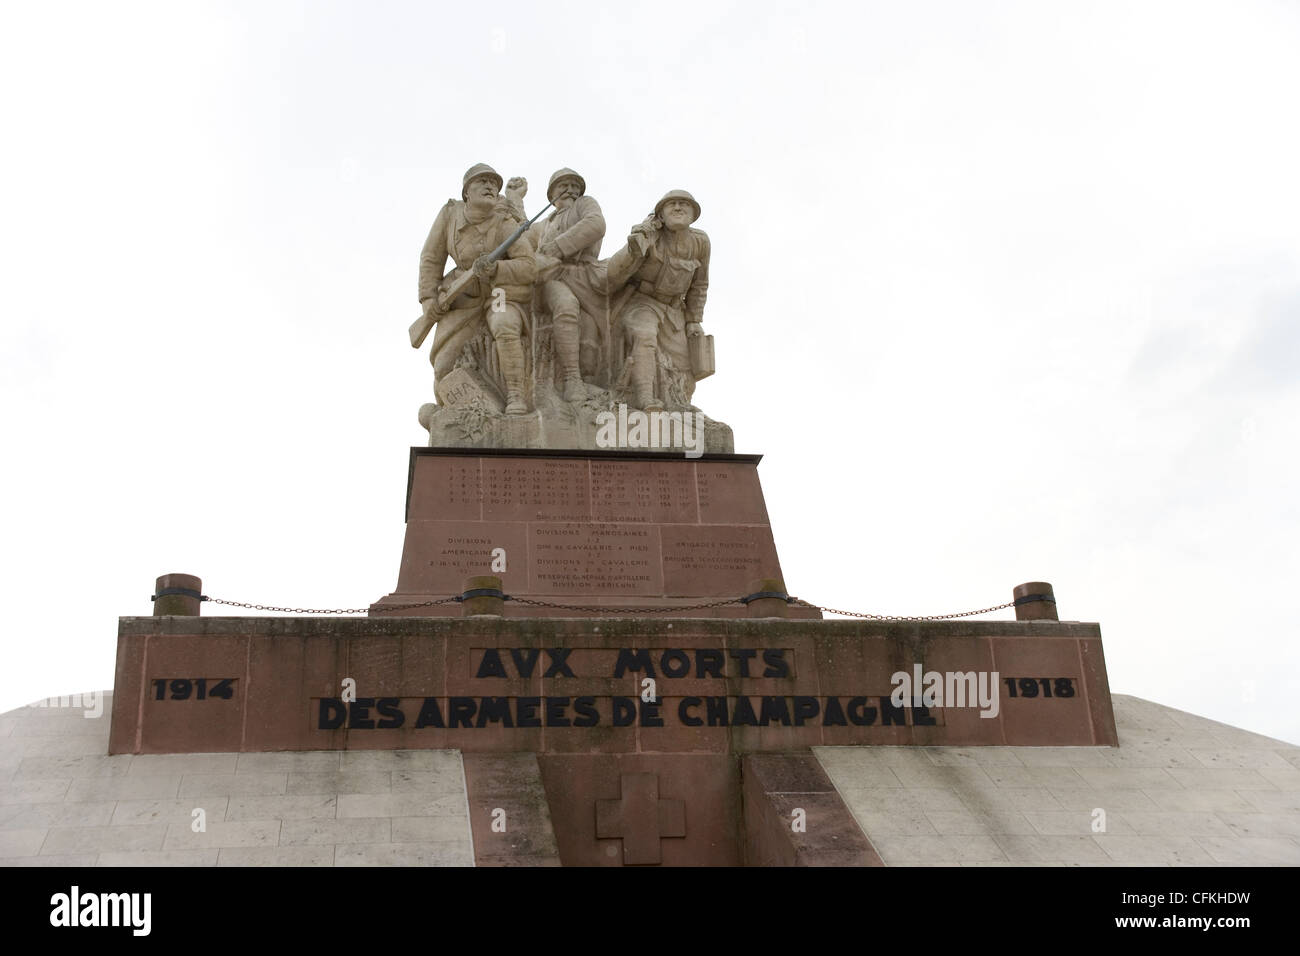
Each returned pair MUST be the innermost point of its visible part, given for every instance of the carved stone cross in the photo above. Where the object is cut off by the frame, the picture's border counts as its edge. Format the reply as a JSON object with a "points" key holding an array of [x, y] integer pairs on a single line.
{"points": [[640, 819]]}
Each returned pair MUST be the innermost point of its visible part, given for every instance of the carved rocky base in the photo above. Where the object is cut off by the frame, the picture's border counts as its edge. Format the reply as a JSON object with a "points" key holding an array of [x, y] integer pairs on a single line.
{"points": [[472, 415]]}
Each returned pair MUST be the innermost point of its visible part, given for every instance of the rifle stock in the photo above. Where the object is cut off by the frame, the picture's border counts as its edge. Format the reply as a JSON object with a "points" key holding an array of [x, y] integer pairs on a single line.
{"points": [[420, 327], [458, 285]]}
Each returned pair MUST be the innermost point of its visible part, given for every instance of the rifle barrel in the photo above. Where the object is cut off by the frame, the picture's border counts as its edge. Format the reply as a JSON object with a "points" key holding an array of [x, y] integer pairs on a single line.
{"points": [[502, 249]]}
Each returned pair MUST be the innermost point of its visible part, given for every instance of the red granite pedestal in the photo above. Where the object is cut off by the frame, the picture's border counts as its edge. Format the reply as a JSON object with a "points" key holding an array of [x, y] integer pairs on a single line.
{"points": [[607, 530]]}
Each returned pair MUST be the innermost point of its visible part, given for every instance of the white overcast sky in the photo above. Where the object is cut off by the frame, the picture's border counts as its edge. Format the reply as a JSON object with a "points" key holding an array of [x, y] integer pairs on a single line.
{"points": [[1004, 292]]}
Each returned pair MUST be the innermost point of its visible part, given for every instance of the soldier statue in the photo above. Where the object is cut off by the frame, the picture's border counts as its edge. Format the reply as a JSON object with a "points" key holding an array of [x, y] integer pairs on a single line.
{"points": [[499, 293], [570, 282], [658, 283]]}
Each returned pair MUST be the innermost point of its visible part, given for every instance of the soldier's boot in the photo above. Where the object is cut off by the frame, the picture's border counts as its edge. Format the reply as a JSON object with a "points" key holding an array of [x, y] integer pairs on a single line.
{"points": [[642, 376], [566, 356], [589, 362], [510, 355]]}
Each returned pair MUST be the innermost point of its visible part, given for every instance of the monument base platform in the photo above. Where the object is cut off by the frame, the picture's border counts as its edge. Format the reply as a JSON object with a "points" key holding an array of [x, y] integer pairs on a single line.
{"points": [[646, 741]]}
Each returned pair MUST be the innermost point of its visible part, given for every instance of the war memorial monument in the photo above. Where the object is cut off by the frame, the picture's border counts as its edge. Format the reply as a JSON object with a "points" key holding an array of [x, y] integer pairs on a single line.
{"points": [[591, 656]]}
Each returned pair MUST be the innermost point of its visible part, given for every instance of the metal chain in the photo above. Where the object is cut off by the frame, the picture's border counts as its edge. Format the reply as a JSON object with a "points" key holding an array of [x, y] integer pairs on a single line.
{"points": [[626, 610], [406, 607], [896, 617], [336, 610], [597, 609]]}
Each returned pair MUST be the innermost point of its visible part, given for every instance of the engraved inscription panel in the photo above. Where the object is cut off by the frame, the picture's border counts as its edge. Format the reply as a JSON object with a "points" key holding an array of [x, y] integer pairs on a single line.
{"points": [[647, 491], [703, 560], [575, 558], [729, 494], [439, 555], [523, 489], [446, 489], [599, 527]]}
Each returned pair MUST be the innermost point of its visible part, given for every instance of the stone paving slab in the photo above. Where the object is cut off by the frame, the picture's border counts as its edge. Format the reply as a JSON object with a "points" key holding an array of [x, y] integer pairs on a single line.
{"points": [[404, 854], [276, 856], [340, 782], [220, 835], [233, 785], [296, 807], [337, 832], [160, 858], [167, 811], [103, 839], [42, 815], [55, 860]]}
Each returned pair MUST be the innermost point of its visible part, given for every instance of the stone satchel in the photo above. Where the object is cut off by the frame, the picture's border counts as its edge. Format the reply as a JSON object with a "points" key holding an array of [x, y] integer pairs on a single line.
{"points": [[701, 347]]}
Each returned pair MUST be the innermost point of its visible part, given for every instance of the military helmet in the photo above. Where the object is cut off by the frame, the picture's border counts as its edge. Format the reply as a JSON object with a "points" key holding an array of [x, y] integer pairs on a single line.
{"points": [[678, 194], [565, 173], [476, 171]]}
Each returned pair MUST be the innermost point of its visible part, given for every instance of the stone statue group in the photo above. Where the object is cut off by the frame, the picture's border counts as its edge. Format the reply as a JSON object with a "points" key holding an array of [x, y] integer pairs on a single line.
{"points": [[530, 321]]}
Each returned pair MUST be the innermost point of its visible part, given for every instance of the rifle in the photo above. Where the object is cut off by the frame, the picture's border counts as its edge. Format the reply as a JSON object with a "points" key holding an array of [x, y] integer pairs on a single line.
{"points": [[420, 328]]}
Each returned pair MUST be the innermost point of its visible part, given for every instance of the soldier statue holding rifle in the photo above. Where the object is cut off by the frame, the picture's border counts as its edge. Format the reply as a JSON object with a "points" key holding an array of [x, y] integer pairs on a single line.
{"points": [[491, 285]]}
